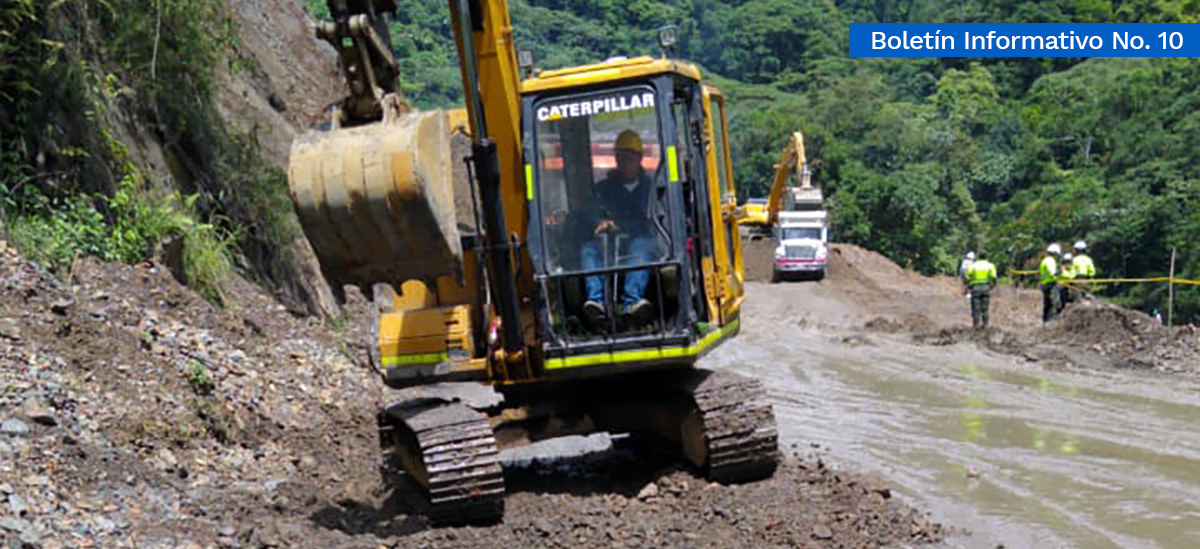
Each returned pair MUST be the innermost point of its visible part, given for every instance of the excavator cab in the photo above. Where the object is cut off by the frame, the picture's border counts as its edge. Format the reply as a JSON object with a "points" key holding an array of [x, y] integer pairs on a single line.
{"points": [[625, 223]]}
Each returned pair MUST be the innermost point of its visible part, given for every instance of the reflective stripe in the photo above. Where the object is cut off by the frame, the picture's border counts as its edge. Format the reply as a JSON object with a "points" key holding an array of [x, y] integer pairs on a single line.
{"points": [[412, 360], [672, 167], [529, 182], [640, 355]]}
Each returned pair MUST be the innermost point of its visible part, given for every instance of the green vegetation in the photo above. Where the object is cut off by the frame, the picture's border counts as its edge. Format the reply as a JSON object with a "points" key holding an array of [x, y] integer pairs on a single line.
{"points": [[199, 378], [75, 73], [922, 158], [55, 232]]}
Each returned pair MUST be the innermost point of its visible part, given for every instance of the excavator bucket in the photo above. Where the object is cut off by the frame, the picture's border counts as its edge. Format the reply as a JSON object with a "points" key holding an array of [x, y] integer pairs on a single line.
{"points": [[377, 201]]}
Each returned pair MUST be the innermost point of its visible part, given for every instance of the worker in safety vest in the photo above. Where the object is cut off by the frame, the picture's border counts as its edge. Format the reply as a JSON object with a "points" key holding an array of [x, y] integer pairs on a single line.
{"points": [[1048, 273], [980, 279], [1066, 274], [1082, 264], [962, 270]]}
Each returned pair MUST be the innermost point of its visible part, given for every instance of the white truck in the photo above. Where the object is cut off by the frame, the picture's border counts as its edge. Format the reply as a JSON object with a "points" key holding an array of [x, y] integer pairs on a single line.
{"points": [[801, 244]]}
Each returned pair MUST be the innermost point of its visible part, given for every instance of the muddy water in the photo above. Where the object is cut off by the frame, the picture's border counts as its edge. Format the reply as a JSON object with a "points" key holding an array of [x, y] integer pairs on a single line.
{"points": [[1021, 454]]}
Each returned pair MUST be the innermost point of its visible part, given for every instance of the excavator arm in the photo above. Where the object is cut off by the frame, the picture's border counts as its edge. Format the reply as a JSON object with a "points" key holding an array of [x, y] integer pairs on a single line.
{"points": [[783, 192], [374, 192]]}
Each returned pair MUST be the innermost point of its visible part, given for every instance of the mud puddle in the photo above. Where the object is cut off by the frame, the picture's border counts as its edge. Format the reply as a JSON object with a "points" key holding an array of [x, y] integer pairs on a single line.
{"points": [[1018, 453]]}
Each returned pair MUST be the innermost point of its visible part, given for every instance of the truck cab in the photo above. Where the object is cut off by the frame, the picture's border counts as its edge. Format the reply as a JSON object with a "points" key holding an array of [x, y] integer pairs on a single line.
{"points": [[801, 244]]}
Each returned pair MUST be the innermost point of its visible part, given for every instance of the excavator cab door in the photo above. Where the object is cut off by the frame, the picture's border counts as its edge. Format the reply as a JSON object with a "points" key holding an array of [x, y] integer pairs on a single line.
{"points": [[619, 221]]}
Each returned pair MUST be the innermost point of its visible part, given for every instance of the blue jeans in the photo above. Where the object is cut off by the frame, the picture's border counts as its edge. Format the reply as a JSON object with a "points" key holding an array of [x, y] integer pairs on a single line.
{"points": [[641, 250]]}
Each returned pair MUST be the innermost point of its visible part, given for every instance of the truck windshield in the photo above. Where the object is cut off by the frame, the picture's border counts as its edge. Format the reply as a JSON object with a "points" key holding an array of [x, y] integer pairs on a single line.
{"points": [[597, 160], [797, 233]]}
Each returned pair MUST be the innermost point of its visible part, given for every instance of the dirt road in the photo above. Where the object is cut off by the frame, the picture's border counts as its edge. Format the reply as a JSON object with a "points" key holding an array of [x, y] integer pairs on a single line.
{"points": [[1026, 437]]}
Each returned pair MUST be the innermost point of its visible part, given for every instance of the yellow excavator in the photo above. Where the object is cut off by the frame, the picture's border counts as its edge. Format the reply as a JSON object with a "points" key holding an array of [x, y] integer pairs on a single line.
{"points": [[586, 262], [791, 189], [793, 216]]}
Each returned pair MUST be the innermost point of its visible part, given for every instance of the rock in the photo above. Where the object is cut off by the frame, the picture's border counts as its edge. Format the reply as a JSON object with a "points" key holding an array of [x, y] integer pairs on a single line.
{"points": [[14, 524], [648, 491], [104, 524], [31, 538], [167, 458], [36, 480], [61, 306], [541, 527], [14, 427], [35, 412], [17, 505], [6, 488], [821, 531], [9, 328], [873, 486], [237, 356], [226, 531]]}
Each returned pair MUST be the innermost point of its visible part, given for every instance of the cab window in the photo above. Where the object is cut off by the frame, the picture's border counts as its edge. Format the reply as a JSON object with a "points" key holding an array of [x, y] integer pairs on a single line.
{"points": [[722, 157], [598, 158]]}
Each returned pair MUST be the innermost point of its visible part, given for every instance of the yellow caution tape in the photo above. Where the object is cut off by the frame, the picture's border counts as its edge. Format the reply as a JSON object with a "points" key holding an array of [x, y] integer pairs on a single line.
{"points": [[1111, 280]]}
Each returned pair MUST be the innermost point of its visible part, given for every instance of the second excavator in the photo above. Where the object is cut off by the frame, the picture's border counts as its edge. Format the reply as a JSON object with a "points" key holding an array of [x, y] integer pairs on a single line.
{"points": [[793, 215], [582, 268]]}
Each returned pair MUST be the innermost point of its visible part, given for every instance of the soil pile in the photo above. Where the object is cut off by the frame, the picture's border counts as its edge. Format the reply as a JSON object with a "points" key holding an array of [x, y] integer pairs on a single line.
{"points": [[134, 414], [758, 258], [1126, 338], [887, 298], [1094, 323]]}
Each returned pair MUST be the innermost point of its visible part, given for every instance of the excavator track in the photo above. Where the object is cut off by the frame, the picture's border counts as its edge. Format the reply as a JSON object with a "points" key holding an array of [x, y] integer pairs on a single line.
{"points": [[740, 437], [450, 450]]}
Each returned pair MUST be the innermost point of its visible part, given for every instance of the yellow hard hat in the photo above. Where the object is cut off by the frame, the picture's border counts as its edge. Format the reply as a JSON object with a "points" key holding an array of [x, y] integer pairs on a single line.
{"points": [[629, 140]]}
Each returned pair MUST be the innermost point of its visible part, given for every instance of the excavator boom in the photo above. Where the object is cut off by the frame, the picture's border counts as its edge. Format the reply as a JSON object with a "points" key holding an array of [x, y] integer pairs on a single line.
{"points": [[784, 192]]}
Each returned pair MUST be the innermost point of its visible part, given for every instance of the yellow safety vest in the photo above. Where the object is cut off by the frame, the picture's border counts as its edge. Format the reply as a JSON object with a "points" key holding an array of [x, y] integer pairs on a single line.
{"points": [[1048, 269], [1067, 272], [981, 272], [1083, 266]]}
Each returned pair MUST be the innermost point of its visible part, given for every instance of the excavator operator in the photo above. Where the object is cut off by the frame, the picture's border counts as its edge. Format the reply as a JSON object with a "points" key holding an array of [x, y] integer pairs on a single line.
{"points": [[621, 210]]}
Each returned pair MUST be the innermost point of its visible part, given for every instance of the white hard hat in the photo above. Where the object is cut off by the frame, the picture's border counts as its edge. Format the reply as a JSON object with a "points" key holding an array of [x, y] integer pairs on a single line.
{"points": [[1080, 245], [970, 255], [1053, 249], [1068, 256]]}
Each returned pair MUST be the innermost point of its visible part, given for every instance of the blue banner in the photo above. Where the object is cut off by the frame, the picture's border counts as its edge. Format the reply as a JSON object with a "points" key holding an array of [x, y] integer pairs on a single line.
{"points": [[1025, 40]]}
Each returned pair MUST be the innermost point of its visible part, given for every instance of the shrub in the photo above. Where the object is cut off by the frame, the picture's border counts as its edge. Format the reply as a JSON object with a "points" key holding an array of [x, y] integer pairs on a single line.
{"points": [[198, 377], [56, 232]]}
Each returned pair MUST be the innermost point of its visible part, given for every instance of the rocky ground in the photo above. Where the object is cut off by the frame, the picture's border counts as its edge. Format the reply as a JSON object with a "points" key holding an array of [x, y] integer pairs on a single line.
{"points": [[134, 414]]}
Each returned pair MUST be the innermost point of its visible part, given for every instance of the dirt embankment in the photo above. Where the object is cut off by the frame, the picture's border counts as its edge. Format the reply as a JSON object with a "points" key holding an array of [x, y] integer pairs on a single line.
{"points": [[134, 414], [866, 290]]}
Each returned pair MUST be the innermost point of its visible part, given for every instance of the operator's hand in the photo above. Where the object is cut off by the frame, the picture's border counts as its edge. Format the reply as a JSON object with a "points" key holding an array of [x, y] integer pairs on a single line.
{"points": [[605, 225]]}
